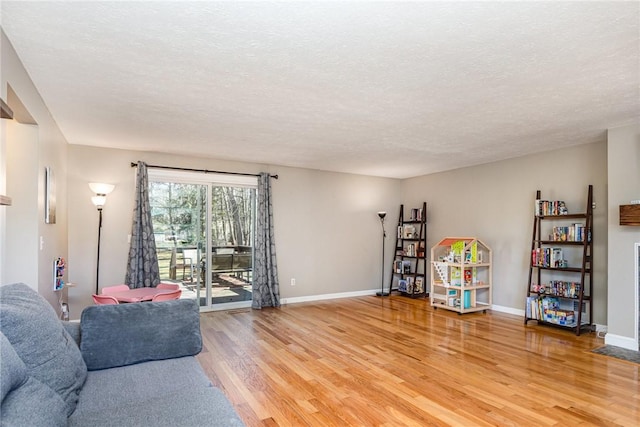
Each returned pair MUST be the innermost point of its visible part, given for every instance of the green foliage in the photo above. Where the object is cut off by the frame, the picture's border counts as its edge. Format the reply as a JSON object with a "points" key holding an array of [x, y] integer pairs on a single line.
{"points": [[178, 212]]}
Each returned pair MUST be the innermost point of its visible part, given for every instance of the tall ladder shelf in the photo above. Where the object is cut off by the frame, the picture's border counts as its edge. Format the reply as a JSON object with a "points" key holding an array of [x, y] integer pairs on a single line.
{"points": [[410, 258], [557, 260]]}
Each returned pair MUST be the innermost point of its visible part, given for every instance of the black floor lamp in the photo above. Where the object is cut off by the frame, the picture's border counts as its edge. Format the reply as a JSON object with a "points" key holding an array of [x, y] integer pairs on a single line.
{"points": [[382, 293], [99, 200]]}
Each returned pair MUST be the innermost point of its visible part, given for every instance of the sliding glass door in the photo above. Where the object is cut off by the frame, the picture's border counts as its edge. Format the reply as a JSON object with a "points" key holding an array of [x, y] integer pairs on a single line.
{"points": [[232, 236], [204, 231]]}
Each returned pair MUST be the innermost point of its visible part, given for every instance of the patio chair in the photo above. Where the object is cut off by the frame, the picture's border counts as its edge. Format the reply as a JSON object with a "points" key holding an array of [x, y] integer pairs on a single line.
{"points": [[170, 286], [166, 296], [104, 299], [190, 262], [184, 259]]}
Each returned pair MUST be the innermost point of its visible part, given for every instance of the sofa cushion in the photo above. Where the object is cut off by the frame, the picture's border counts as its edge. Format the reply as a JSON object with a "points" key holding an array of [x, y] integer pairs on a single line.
{"points": [[125, 334], [108, 389], [172, 392], [189, 407], [35, 332], [25, 400], [13, 372], [33, 404]]}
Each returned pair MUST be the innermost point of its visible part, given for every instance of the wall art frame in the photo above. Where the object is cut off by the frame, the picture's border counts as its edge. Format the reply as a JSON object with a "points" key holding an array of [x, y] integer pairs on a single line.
{"points": [[49, 196]]}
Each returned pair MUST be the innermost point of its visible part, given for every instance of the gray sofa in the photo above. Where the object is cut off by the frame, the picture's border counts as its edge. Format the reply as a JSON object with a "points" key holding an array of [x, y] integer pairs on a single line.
{"points": [[122, 365]]}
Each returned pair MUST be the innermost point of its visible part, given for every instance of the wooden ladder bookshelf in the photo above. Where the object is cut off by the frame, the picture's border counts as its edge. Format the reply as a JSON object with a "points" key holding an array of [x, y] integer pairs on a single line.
{"points": [[560, 301], [410, 256]]}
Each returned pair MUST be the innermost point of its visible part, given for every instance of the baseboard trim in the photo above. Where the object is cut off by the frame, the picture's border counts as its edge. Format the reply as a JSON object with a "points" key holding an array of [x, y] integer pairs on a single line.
{"points": [[311, 298], [226, 306], [600, 328], [508, 310], [620, 341]]}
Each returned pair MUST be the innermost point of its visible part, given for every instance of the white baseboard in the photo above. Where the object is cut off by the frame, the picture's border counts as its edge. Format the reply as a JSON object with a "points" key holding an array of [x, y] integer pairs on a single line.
{"points": [[508, 310], [620, 341], [311, 298], [226, 306]]}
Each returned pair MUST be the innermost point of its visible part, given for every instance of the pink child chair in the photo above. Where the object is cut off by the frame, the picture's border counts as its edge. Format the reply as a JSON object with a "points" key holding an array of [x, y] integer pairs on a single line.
{"points": [[170, 286], [166, 296], [104, 299]]}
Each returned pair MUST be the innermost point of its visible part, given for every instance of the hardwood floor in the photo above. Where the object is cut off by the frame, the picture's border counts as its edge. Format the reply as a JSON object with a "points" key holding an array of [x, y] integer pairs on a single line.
{"points": [[371, 361]]}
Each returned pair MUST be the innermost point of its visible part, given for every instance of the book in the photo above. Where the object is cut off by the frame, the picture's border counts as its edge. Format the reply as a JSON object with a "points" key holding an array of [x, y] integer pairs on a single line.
{"points": [[406, 267], [556, 257], [419, 285], [409, 232], [410, 250], [547, 207], [410, 285], [456, 276], [397, 266]]}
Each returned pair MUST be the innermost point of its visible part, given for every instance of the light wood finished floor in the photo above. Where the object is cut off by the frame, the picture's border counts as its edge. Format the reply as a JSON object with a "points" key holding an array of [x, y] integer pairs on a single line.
{"points": [[371, 361]]}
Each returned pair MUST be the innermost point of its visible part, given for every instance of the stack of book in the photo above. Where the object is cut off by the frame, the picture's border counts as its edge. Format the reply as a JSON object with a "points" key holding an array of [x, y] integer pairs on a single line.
{"points": [[546, 207], [573, 233], [547, 257]]}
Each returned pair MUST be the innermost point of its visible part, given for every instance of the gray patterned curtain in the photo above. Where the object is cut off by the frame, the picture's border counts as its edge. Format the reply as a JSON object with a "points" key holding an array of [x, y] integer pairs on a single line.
{"points": [[142, 269], [266, 291]]}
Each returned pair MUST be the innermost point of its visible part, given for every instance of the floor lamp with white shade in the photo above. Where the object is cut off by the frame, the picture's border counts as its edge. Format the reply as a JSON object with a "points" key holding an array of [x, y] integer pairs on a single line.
{"points": [[101, 191], [382, 293]]}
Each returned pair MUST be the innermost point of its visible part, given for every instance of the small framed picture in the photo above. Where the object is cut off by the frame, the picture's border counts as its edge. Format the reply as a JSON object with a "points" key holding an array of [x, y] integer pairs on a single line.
{"points": [[58, 274]]}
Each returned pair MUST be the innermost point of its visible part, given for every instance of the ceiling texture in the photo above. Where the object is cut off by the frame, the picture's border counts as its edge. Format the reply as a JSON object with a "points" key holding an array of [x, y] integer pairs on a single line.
{"points": [[389, 89]]}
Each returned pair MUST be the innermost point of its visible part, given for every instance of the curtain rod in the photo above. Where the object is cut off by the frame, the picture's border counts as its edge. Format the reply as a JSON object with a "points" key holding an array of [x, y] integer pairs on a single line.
{"points": [[134, 164]]}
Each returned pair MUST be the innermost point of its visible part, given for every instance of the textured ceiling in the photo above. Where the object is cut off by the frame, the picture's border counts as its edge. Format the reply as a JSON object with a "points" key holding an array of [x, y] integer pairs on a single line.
{"points": [[378, 88]]}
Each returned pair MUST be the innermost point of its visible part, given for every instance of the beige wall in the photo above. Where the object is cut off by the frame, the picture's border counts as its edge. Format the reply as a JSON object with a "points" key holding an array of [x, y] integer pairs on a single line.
{"points": [[327, 230], [624, 185], [495, 203], [50, 150], [22, 215]]}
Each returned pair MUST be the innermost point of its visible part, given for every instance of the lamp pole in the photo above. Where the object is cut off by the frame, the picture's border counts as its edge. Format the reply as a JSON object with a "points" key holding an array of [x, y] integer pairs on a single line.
{"points": [[98, 257], [382, 293]]}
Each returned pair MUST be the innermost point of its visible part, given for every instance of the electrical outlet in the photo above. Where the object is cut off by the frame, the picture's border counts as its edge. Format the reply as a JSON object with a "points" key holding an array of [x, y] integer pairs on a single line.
{"points": [[293, 282], [64, 311]]}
